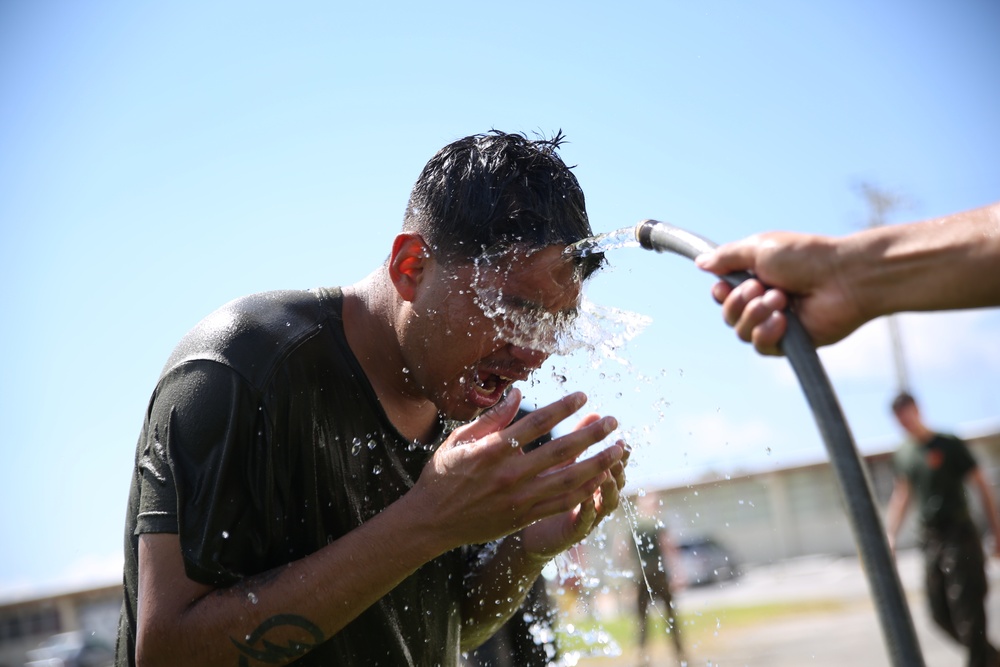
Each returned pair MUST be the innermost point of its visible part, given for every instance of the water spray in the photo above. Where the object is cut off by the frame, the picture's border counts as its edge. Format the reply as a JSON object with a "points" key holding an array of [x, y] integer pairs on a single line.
{"points": [[855, 487]]}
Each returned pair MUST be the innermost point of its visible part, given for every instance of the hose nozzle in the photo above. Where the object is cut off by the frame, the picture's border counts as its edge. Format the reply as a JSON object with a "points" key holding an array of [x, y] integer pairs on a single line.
{"points": [[664, 237]]}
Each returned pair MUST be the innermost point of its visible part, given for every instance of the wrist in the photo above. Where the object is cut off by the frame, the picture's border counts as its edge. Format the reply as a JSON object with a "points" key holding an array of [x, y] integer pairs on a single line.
{"points": [[520, 558], [427, 537], [871, 267]]}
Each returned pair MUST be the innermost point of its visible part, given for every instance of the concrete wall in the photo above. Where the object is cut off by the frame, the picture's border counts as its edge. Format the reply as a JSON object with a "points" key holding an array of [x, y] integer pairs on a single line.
{"points": [[796, 511], [26, 623]]}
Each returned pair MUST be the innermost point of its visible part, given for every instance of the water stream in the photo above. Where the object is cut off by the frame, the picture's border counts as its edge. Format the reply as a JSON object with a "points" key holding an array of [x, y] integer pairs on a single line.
{"points": [[622, 238]]}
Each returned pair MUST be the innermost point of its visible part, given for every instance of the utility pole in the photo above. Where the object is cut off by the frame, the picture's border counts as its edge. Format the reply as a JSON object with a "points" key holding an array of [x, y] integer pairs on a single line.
{"points": [[880, 203]]}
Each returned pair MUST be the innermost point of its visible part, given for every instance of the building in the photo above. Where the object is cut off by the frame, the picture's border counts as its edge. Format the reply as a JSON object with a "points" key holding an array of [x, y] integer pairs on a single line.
{"points": [[796, 511], [24, 624]]}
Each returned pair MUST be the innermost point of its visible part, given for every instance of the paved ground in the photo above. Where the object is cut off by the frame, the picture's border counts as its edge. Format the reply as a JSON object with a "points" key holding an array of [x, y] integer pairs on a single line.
{"points": [[833, 625]]}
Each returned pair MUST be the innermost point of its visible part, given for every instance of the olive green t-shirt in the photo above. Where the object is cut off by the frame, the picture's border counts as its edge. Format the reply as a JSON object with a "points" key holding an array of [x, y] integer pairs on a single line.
{"points": [[264, 442], [936, 472]]}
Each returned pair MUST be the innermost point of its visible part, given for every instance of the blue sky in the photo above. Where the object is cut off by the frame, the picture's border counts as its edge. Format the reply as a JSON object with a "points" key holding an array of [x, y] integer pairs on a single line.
{"points": [[157, 160]]}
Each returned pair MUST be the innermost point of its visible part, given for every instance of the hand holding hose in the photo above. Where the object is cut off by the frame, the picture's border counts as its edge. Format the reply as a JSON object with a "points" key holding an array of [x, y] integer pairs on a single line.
{"points": [[788, 268], [839, 283]]}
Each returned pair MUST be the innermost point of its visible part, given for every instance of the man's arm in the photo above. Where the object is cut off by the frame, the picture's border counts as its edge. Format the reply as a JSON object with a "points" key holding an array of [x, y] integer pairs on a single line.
{"points": [[476, 488], [296, 606], [899, 502], [840, 283], [978, 480]]}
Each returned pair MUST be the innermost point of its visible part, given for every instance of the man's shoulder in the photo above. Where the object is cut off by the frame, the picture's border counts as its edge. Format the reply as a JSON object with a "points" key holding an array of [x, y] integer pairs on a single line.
{"points": [[948, 439], [956, 449], [249, 330]]}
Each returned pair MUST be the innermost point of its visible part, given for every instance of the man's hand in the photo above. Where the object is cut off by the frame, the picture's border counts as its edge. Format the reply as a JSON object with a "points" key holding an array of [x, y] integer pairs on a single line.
{"points": [[546, 538], [803, 266], [480, 485]]}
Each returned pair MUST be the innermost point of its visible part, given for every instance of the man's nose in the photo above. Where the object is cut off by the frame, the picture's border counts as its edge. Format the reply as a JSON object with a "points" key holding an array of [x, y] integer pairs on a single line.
{"points": [[528, 356]]}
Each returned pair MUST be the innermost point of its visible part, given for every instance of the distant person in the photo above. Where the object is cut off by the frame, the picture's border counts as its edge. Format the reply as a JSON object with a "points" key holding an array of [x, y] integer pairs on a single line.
{"points": [[934, 469], [317, 469], [838, 284], [655, 551]]}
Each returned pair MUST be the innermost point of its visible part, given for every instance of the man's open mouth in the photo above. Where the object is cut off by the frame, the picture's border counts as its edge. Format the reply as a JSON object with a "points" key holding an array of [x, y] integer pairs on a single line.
{"points": [[488, 387]]}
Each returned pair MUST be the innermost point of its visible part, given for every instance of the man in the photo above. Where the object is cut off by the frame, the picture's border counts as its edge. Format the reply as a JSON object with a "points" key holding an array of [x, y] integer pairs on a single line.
{"points": [[301, 492], [656, 551], [935, 467]]}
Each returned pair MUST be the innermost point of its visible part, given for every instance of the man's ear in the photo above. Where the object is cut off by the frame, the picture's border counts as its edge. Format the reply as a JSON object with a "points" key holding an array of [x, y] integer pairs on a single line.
{"points": [[407, 263]]}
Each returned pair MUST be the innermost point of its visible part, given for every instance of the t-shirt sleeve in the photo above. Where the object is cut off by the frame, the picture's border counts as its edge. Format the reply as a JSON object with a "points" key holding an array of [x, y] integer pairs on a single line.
{"points": [[901, 463], [206, 424], [158, 498]]}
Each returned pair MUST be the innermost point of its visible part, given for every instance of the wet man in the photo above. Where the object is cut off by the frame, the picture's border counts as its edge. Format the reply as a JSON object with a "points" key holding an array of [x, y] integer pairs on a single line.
{"points": [[313, 465], [656, 552]]}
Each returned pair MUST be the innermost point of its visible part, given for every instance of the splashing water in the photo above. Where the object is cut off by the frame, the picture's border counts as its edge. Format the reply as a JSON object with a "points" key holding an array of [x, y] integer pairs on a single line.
{"points": [[622, 238], [600, 332], [601, 329]]}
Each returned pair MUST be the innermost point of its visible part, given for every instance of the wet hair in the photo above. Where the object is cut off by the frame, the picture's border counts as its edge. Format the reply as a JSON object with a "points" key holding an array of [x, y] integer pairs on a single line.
{"points": [[491, 192], [901, 401]]}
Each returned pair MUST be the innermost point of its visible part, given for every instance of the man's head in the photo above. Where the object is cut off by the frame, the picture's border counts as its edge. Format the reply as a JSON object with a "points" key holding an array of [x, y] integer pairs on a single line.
{"points": [[486, 289], [489, 192], [904, 407]]}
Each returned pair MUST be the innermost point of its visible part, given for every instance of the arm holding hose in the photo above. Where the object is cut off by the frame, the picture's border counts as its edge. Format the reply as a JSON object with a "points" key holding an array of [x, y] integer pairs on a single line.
{"points": [[839, 283]]}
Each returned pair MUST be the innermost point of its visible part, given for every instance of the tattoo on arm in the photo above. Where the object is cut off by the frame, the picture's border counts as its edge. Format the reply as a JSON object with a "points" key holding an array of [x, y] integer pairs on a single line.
{"points": [[257, 649]]}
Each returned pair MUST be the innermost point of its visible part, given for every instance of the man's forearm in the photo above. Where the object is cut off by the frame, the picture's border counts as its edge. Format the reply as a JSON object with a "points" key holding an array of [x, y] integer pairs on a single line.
{"points": [[293, 607], [945, 263], [496, 589], [989, 503]]}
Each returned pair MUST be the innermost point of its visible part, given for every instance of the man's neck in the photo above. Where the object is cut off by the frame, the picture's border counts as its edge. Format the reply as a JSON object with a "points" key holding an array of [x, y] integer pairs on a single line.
{"points": [[368, 315], [922, 435]]}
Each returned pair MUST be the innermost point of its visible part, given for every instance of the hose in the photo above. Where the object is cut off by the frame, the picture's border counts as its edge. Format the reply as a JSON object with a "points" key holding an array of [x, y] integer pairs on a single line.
{"points": [[855, 487]]}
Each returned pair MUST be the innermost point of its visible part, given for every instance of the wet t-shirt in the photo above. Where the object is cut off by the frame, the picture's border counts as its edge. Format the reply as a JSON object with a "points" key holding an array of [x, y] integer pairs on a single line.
{"points": [[648, 534], [263, 443], [936, 472]]}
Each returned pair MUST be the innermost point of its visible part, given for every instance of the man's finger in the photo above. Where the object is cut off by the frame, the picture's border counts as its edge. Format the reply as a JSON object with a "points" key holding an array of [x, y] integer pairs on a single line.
{"points": [[538, 422], [491, 421]]}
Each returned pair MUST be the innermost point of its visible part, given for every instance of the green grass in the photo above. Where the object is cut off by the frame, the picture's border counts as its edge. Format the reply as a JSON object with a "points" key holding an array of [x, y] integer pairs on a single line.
{"points": [[587, 634]]}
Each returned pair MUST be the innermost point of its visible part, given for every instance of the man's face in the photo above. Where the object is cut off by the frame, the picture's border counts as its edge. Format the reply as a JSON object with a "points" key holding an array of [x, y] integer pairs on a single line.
{"points": [[479, 327], [908, 417]]}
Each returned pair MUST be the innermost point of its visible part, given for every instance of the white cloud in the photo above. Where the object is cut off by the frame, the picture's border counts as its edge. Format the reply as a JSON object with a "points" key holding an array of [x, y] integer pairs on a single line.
{"points": [[692, 444], [88, 571], [930, 342], [937, 341], [865, 354]]}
